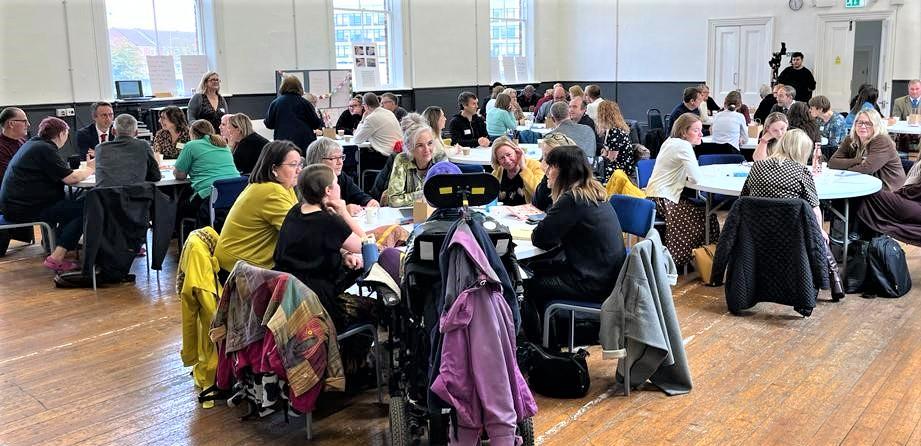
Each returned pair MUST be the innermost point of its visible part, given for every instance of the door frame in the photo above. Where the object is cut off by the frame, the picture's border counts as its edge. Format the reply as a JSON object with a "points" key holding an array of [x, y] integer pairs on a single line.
{"points": [[712, 24], [887, 46]]}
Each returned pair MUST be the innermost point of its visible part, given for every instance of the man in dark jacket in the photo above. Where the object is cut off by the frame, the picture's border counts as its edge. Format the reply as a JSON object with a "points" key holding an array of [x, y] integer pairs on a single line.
{"points": [[798, 77], [98, 132], [126, 160], [467, 128]]}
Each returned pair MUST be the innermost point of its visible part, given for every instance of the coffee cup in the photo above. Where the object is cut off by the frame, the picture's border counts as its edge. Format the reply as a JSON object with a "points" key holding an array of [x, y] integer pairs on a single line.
{"points": [[892, 120], [340, 132], [371, 214], [466, 151]]}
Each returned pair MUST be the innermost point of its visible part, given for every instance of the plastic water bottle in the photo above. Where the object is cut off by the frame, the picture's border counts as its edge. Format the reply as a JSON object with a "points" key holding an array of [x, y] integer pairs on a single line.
{"points": [[817, 159], [369, 253]]}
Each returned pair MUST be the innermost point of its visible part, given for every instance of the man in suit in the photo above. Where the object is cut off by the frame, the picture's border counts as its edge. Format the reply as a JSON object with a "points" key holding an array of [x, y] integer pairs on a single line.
{"points": [[904, 107], [558, 119], [98, 132], [784, 95], [126, 159]]}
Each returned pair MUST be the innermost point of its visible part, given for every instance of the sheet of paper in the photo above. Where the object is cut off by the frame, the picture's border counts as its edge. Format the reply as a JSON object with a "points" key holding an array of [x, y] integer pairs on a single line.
{"points": [[494, 69], [318, 84], [341, 79], [193, 68], [521, 69], [368, 78], [162, 74]]}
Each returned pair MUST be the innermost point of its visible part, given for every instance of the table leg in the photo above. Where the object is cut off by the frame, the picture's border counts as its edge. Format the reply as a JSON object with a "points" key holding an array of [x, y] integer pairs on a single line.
{"points": [[846, 240], [707, 220]]}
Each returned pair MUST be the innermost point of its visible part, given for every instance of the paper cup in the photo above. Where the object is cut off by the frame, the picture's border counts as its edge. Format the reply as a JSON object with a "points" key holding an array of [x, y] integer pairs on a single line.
{"points": [[371, 215], [466, 151]]}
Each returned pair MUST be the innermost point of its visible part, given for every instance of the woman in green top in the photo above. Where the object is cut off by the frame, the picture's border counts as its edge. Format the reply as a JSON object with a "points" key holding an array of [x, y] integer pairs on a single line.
{"points": [[204, 160], [499, 120], [410, 167]]}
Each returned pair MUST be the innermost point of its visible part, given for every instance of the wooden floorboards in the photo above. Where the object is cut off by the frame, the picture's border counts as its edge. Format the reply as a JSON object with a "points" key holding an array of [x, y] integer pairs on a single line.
{"points": [[77, 367]]}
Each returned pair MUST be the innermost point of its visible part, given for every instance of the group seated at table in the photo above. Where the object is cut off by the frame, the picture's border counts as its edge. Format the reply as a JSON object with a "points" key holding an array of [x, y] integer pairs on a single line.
{"points": [[203, 160]]}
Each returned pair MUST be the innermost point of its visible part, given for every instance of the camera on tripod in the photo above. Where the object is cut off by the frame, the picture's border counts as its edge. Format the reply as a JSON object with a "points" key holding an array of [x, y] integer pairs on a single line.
{"points": [[775, 61]]}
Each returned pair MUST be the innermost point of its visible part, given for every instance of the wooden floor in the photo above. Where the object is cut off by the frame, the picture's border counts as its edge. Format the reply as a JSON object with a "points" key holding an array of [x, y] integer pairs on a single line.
{"points": [[84, 368]]}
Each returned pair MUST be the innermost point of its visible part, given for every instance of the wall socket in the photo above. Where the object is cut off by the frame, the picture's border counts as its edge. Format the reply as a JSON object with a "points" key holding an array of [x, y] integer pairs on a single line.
{"points": [[62, 112]]}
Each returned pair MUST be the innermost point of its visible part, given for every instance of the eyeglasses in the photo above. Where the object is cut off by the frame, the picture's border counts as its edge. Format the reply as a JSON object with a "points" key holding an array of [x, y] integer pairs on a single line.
{"points": [[20, 120], [296, 165], [334, 158], [867, 124], [214, 80]]}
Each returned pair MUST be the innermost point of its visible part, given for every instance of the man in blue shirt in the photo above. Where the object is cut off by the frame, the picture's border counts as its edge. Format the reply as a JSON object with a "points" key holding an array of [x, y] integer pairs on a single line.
{"points": [[691, 101]]}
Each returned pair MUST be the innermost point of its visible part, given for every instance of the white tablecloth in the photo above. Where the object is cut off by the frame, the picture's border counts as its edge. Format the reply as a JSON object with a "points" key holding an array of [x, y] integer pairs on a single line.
{"points": [[482, 155], [903, 127], [166, 172], [536, 128], [751, 144], [830, 184]]}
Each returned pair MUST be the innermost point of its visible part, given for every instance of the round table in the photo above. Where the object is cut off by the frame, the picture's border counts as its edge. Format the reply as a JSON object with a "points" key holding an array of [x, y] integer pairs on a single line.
{"points": [[482, 156], [830, 184], [167, 177], [751, 144]]}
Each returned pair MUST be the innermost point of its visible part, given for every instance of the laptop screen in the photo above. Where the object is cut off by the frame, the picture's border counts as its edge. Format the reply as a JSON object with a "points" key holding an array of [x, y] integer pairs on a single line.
{"points": [[128, 89]]}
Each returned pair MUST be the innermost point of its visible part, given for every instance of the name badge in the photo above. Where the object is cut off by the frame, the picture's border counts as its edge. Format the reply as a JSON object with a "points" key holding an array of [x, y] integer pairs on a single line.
{"points": [[467, 131], [180, 145]]}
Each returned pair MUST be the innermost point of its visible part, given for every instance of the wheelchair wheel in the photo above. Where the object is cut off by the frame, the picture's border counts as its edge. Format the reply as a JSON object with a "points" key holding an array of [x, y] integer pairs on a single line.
{"points": [[526, 431], [400, 434]]}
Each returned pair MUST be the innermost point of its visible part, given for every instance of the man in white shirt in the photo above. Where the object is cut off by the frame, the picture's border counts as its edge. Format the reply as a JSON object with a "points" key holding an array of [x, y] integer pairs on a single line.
{"points": [[593, 98], [379, 126]]}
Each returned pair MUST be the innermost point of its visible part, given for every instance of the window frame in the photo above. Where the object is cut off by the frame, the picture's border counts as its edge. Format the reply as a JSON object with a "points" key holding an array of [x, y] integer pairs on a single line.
{"points": [[104, 57], [394, 41], [525, 21]]}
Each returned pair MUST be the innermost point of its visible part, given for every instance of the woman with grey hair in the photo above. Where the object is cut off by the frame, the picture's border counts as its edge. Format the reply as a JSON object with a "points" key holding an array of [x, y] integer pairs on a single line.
{"points": [[410, 166], [329, 152]]}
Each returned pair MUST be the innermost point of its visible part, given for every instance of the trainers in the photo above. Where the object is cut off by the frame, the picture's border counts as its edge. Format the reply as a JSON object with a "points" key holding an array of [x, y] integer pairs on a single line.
{"points": [[60, 266]]}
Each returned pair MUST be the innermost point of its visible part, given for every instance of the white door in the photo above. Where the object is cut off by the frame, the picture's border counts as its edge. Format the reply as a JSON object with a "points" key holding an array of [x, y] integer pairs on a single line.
{"points": [[739, 53], [836, 64], [753, 55]]}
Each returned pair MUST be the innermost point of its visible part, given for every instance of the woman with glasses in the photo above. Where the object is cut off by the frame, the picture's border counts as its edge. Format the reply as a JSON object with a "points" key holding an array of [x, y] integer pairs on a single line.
{"points": [[350, 117], [410, 166], [328, 152], [868, 149], [252, 226], [208, 103], [173, 133], [518, 176], [244, 142]]}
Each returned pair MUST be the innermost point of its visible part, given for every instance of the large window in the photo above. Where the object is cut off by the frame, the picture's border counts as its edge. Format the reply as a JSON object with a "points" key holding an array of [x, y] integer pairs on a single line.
{"points": [[508, 20], [364, 21], [141, 28]]}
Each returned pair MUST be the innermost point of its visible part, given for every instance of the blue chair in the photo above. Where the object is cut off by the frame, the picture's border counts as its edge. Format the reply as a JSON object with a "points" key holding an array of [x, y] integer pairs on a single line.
{"points": [[224, 193], [470, 168], [723, 158], [637, 216], [644, 171]]}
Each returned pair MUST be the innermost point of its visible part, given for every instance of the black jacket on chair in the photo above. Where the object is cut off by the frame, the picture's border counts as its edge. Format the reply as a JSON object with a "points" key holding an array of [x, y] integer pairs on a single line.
{"points": [[115, 223], [774, 251]]}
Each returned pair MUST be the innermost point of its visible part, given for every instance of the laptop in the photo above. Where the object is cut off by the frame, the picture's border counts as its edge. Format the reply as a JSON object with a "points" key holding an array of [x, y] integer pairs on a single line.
{"points": [[129, 90]]}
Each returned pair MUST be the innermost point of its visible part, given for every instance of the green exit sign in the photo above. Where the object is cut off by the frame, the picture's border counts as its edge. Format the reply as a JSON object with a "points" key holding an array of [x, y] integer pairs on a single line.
{"points": [[855, 3]]}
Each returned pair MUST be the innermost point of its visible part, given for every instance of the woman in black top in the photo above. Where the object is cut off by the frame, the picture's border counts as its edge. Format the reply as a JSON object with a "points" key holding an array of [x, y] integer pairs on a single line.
{"points": [[33, 190], [291, 116], [320, 242], [244, 142], [208, 104], [329, 152], [583, 233]]}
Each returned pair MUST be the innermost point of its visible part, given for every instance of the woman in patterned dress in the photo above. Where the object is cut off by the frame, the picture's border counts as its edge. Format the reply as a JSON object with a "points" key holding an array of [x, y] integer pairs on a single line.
{"points": [[617, 149]]}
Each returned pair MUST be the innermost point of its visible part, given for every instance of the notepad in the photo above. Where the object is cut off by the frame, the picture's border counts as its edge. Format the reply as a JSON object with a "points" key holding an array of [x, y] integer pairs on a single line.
{"points": [[521, 233]]}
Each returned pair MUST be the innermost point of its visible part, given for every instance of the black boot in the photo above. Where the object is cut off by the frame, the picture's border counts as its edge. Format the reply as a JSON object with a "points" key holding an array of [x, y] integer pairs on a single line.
{"points": [[834, 278]]}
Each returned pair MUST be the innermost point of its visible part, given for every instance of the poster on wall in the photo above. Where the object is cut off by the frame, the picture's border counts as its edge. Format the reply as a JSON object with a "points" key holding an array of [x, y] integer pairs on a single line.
{"points": [[365, 65], [162, 74], [194, 66], [318, 84]]}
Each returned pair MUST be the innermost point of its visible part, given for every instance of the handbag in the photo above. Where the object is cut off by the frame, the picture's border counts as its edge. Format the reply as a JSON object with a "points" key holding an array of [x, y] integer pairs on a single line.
{"points": [[557, 375], [703, 262]]}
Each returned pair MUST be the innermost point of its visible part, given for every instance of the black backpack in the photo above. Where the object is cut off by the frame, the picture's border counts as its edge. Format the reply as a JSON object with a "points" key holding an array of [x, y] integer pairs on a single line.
{"points": [[878, 267]]}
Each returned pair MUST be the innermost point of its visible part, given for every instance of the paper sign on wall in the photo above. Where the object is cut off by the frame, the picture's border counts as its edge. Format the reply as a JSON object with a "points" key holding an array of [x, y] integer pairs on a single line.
{"points": [[162, 74], [521, 68], [193, 68], [319, 86], [341, 95], [366, 66], [837, 60], [508, 70]]}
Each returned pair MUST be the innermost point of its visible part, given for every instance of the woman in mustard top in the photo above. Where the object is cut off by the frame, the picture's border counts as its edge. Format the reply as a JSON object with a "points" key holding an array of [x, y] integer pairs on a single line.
{"points": [[251, 229]]}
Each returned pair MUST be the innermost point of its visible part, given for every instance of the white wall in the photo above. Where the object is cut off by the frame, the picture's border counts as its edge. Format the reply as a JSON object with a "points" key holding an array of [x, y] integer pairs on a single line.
{"points": [[445, 42]]}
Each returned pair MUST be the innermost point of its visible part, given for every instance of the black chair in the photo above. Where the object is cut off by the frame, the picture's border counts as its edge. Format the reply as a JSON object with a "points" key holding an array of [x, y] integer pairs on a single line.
{"points": [[712, 148], [654, 119], [369, 160], [907, 164]]}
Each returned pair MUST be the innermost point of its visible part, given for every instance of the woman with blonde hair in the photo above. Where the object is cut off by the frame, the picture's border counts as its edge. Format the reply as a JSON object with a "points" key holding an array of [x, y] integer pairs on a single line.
{"points": [[775, 125], [784, 174], [541, 198], [868, 149], [207, 103], [205, 159], [616, 149], [576, 91], [515, 108], [245, 144], [518, 176], [583, 232], [410, 166], [291, 116], [675, 166]]}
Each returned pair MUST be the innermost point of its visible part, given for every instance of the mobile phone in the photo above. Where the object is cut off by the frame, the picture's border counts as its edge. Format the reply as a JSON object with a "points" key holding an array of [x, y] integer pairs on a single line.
{"points": [[535, 219]]}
